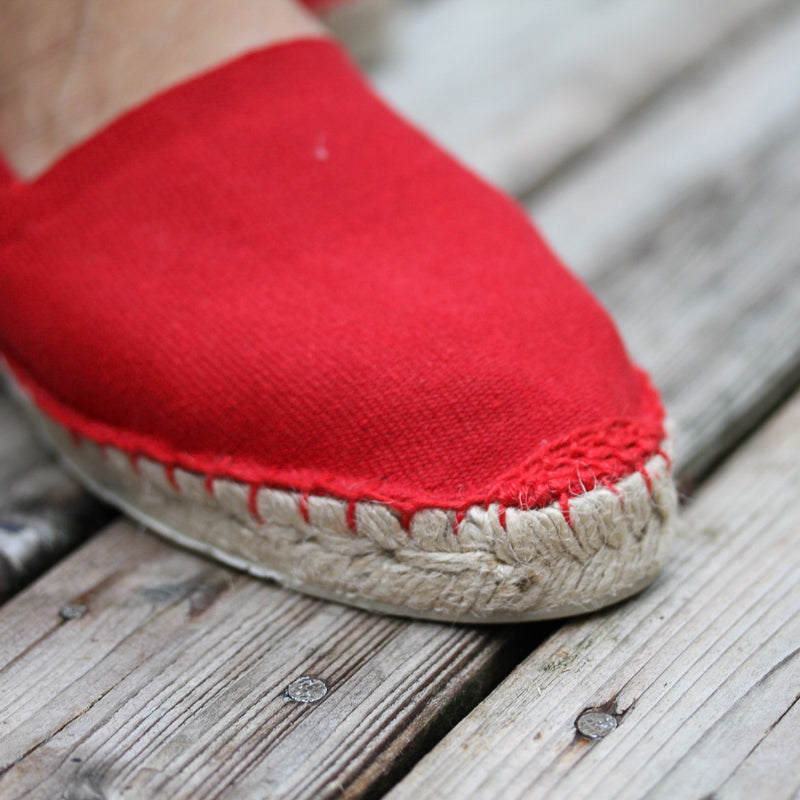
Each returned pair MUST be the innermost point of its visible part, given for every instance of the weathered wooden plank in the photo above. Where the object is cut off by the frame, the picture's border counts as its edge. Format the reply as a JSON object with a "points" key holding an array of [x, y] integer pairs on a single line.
{"points": [[43, 516], [43, 512], [763, 770], [699, 672], [701, 229], [517, 89], [704, 127], [173, 680], [158, 690]]}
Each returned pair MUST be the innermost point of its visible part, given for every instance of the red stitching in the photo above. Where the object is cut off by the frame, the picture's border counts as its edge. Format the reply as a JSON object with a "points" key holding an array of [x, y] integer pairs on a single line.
{"points": [[501, 516], [603, 453], [405, 519], [252, 503], [351, 515], [302, 505], [405, 515], [169, 471], [563, 501]]}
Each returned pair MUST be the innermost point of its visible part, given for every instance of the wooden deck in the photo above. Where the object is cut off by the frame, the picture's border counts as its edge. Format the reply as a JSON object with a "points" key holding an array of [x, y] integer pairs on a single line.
{"points": [[658, 145]]}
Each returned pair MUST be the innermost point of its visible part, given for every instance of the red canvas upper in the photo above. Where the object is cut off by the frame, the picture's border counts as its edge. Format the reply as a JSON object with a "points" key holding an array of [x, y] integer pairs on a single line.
{"points": [[266, 274]]}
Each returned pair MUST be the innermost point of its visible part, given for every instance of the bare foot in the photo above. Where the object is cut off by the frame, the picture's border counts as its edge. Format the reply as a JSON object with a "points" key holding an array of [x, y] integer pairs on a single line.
{"points": [[68, 68]]}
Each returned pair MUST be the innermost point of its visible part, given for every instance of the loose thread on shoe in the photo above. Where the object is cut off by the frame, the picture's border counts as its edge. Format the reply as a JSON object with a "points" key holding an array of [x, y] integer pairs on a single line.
{"points": [[351, 515], [405, 519], [563, 501], [459, 517], [501, 516], [169, 471], [208, 484], [252, 503], [302, 506]]}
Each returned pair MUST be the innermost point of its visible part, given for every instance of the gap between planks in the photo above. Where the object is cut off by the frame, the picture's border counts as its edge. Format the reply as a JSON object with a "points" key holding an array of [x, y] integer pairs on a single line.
{"points": [[43, 513], [389, 698], [553, 78], [702, 671], [702, 216]]}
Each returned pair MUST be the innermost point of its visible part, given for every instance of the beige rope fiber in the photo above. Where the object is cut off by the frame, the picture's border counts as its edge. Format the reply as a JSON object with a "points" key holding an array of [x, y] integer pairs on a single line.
{"points": [[537, 566]]}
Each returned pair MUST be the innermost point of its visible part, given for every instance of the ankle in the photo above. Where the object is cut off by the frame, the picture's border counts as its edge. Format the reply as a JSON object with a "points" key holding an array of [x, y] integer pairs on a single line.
{"points": [[69, 68]]}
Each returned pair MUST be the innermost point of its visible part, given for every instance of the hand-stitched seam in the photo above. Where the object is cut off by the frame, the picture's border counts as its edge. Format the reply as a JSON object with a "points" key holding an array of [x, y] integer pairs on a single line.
{"points": [[601, 454], [559, 471], [172, 485], [405, 515]]}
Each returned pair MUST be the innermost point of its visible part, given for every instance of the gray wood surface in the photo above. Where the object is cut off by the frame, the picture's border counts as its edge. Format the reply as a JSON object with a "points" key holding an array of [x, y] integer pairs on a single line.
{"points": [[712, 222], [169, 672], [702, 671], [43, 512], [518, 89], [171, 682], [686, 225]]}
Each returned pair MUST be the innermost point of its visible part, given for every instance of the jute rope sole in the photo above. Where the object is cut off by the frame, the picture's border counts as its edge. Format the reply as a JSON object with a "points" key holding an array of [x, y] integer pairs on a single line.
{"points": [[537, 566]]}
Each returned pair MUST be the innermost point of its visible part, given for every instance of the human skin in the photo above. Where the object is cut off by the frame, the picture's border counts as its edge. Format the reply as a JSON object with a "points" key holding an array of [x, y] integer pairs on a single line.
{"points": [[70, 67]]}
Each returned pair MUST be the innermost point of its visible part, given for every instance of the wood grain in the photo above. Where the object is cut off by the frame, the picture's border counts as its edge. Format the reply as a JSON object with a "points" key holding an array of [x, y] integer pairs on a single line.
{"points": [[763, 770], [702, 671], [43, 512], [695, 251], [518, 89], [172, 682], [716, 117]]}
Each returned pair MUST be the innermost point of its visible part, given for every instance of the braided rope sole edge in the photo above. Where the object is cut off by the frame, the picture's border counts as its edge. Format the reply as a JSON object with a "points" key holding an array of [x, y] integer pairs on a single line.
{"points": [[489, 565]]}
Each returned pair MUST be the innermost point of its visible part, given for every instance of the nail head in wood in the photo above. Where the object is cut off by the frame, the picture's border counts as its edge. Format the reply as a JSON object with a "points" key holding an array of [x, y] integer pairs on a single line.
{"points": [[595, 724], [73, 611], [306, 690]]}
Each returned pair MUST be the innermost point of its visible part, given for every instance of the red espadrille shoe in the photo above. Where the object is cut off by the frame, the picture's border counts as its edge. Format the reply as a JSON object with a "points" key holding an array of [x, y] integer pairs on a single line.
{"points": [[269, 319]]}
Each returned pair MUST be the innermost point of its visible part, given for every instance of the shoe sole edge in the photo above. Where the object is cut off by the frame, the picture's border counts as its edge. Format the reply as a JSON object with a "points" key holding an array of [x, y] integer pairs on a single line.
{"points": [[487, 566]]}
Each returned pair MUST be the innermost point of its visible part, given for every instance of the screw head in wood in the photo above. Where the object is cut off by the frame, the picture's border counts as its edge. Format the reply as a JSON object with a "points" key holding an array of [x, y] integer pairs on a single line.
{"points": [[306, 690], [73, 611], [595, 724]]}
